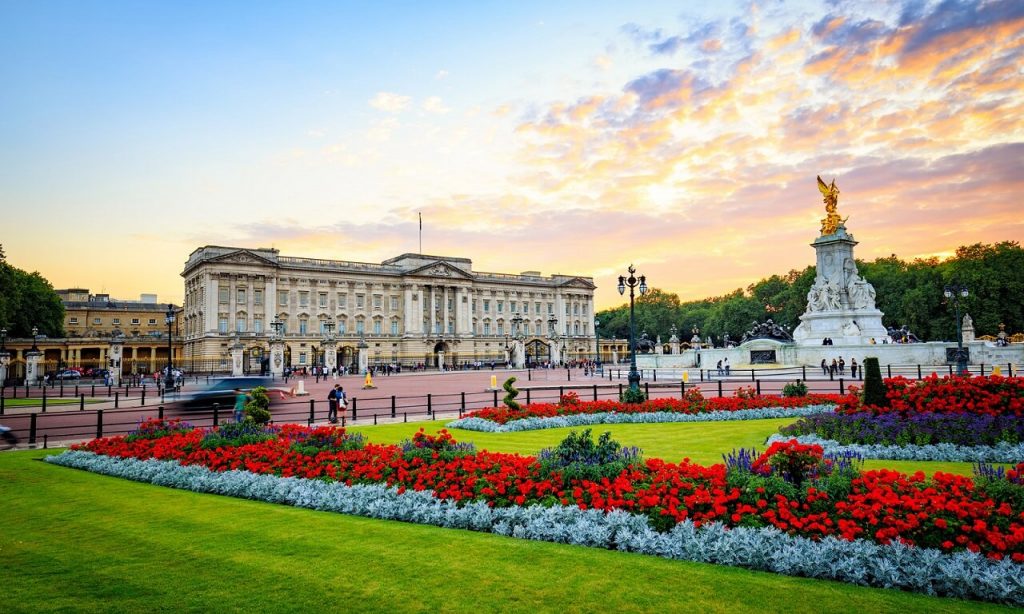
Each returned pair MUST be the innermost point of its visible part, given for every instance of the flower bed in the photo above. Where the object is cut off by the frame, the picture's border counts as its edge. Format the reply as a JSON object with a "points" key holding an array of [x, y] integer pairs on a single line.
{"points": [[1002, 452], [794, 492], [992, 395], [692, 404], [917, 428]]}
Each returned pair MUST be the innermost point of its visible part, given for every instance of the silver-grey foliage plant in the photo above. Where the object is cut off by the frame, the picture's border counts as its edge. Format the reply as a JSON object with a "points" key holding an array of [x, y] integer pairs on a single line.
{"points": [[1002, 452], [556, 422], [964, 575]]}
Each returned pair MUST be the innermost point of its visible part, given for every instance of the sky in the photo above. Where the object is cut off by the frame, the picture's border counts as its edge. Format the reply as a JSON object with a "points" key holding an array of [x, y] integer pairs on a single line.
{"points": [[570, 137]]}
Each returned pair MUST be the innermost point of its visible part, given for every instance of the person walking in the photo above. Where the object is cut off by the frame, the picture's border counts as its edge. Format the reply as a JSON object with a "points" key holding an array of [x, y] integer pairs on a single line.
{"points": [[240, 399], [833, 368], [725, 363], [332, 405], [342, 399], [853, 368], [842, 366], [824, 367], [719, 367]]}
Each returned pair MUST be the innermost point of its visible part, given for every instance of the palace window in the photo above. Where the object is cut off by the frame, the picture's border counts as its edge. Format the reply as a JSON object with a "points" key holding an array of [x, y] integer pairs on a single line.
{"points": [[551, 308], [240, 296], [501, 328], [282, 298], [257, 325], [341, 326], [240, 325], [117, 320], [376, 327], [257, 297], [135, 321], [74, 320], [487, 328], [501, 305], [323, 300], [394, 303], [303, 326], [152, 321], [359, 301], [451, 328], [222, 295], [302, 358], [487, 306], [537, 308], [512, 306], [378, 302], [342, 300], [360, 327], [394, 327], [222, 325], [303, 299]]}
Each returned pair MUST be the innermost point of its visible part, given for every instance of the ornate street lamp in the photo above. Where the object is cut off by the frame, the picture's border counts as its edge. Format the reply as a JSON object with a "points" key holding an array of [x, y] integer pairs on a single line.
{"points": [[597, 342], [35, 338], [276, 325], [641, 284], [3, 339], [329, 326], [954, 292], [553, 333], [169, 319]]}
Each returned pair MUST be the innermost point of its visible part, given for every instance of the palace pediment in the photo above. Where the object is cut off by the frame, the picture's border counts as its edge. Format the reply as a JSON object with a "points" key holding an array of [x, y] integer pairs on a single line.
{"points": [[242, 256], [440, 269], [578, 282]]}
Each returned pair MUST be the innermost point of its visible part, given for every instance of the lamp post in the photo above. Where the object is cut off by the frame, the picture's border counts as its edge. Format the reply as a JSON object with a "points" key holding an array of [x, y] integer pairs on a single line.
{"points": [[35, 338], [954, 292], [169, 319], [597, 342], [276, 325], [632, 282]]}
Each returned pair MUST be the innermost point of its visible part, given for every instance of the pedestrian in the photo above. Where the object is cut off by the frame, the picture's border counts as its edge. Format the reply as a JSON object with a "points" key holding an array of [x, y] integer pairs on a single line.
{"points": [[342, 399], [725, 363], [824, 367], [853, 368], [833, 368], [719, 367], [240, 400], [332, 405], [842, 366]]}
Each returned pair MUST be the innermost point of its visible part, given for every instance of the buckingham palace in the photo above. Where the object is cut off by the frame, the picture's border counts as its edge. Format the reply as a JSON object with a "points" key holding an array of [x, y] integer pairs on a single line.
{"points": [[414, 310]]}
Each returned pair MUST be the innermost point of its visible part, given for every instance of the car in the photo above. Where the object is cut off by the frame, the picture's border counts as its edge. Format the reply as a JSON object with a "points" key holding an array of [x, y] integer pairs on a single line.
{"points": [[69, 374], [222, 391]]}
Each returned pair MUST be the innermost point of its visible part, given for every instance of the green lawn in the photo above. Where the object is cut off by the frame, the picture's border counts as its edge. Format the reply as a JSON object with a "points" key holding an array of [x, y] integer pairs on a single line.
{"points": [[38, 402], [702, 442], [75, 541]]}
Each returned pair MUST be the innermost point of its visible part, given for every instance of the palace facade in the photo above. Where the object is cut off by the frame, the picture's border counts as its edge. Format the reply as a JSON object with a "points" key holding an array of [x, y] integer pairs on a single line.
{"points": [[413, 310]]}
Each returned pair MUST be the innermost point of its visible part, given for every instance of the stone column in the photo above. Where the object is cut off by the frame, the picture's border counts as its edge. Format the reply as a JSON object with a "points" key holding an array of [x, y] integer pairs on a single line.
{"points": [[330, 347], [33, 366], [364, 356], [277, 357], [440, 361], [237, 349], [5, 361], [115, 356], [432, 311], [445, 291], [407, 311], [519, 354], [417, 317]]}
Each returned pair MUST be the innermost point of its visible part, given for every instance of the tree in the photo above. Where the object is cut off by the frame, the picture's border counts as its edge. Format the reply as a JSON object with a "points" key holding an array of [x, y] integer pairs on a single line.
{"points": [[28, 300]]}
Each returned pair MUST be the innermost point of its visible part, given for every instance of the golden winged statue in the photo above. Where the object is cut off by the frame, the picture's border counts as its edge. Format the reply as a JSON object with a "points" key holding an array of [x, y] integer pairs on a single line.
{"points": [[830, 223]]}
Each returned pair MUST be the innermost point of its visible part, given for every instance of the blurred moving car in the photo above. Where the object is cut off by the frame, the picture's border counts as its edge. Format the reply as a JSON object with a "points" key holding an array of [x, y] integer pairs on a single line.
{"points": [[222, 391], [69, 374]]}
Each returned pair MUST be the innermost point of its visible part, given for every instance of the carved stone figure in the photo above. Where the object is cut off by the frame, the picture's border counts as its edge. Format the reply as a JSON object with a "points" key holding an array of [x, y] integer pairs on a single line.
{"points": [[862, 294], [832, 296]]}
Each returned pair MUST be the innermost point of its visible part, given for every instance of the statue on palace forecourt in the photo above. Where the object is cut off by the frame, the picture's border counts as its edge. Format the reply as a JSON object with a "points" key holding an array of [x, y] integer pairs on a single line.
{"points": [[830, 223], [862, 294]]}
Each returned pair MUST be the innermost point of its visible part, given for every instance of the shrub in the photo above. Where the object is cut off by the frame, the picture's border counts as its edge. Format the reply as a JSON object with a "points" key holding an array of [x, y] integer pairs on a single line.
{"points": [[512, 393], [874, 388], [258, 407], [435, 447], [242, 433], [578, 457], [326, 439], [795, 389], [569, 399], [155, 428], [633, 396], [745, 392]]}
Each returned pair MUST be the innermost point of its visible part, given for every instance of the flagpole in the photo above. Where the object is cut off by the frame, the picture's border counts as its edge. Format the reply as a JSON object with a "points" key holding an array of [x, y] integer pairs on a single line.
{"points": [[421, 232]]}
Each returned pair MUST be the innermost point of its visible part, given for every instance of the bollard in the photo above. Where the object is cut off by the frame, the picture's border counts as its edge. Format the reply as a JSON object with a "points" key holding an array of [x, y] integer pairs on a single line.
{"points": [[752, 375], [983, 369], [93, 390], [44, 399], [529, 375], [216, 414], [81, 402], [647, 390], [840, 385], [160, 412], [951, 369], [354, 401], [561, 392], [527, 396], [393, 403], [430, 405], [595, 392], [495, 398], [312, 411], [462, 401], [758, 387], [46, 441], [655, 372], [719, 388], [888, 369], [61, 389], [682, 390], [2, 403], [99, 423], [702, 375], [568, 374], [620, 391], [374, 419], [76, 390], [108, 390], [32, 429], [918, 371], [405, 416], [117, 396], [142, 401]]}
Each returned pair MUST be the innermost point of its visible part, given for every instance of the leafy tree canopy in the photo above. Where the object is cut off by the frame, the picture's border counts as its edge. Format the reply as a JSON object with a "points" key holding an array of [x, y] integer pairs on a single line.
{"points": [[908, 293], [27, 300]]}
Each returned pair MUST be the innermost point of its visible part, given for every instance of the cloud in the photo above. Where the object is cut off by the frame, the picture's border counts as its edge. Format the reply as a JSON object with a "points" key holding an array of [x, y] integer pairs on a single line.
{"points": [[390, 102], [441, 75], [433, 104]]}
